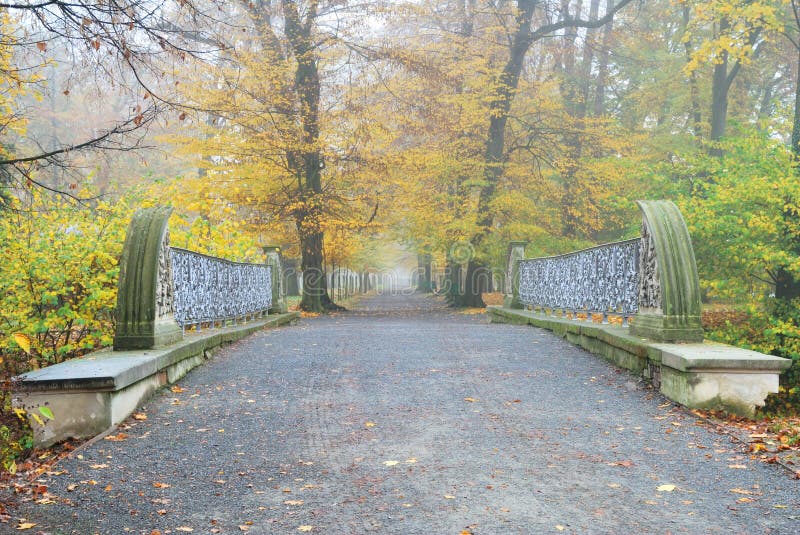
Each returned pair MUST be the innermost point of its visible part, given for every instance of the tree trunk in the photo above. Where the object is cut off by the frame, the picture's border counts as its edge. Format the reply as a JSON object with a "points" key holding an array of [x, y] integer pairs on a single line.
{"points": [[307, 162], [719, 102], [602, 66], [721, 82], [315, 289], [452, 284], [494, 155], [424, 273], [477, 282], [694, 92]]}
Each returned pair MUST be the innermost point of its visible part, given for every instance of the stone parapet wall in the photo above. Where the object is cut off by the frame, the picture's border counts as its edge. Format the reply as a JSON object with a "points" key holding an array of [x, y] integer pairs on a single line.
{"points": [[652, 279], [702, 375]]}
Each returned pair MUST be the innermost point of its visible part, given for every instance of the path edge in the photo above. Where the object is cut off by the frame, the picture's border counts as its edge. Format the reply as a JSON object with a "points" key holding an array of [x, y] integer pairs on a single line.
{"points": [[92, 394]]}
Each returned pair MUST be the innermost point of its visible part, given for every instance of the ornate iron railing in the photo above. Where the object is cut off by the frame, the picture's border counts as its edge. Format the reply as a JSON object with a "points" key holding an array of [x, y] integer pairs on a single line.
{"points": [[600, 280], [208, 289]]}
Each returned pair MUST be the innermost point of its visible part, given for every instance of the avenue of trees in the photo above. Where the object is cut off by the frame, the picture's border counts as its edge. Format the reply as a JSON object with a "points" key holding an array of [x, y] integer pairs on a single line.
{"points": [[449, 126]]}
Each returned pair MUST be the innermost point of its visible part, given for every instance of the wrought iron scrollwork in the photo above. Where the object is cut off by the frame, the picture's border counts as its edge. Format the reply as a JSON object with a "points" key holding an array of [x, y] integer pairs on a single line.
{"points": [[209, 289], [603, 279], [165, 299], [650, 287]]}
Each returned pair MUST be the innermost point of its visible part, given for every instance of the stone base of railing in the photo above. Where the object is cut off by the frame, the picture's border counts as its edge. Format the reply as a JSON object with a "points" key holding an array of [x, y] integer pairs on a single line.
{"points": [[698, 375], [92, 394]]}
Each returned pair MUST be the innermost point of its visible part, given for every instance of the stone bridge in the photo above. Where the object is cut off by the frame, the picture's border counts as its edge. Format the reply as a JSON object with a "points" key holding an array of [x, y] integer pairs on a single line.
{"points": [[404, 416]]}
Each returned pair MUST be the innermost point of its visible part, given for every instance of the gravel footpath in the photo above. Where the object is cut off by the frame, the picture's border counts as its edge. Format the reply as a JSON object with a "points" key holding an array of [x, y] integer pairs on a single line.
{"points": [[406, 418]]}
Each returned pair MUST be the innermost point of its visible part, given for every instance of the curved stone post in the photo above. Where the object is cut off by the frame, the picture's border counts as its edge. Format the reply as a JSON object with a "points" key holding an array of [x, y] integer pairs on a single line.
{"points": [[516, 252], [279, 305], [669, 288], [145, 311]]}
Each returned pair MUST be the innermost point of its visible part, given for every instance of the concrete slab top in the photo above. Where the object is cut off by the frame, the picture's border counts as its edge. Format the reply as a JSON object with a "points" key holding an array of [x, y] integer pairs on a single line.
{"points": [[709, 355], [101, 370], [108, 370]]}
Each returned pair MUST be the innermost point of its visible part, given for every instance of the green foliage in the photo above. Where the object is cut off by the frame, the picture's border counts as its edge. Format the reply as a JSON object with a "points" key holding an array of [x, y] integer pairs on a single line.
{"points": [[59, 275], [734, 207], [58, 279], [767, 331], [15, 440]]}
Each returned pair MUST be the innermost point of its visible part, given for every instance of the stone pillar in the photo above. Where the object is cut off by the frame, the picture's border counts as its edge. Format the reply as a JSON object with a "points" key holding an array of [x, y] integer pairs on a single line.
{"points": [[516, 252], [145, 298], [279, 305], [669, 287], [290, 273]]}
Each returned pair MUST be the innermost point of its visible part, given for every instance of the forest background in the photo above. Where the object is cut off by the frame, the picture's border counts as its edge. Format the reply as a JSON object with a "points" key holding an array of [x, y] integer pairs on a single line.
{"points": [[340, 129]]}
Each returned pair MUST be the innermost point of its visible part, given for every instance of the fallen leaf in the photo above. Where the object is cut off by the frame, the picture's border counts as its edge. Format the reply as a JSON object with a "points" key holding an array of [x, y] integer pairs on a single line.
{"points": [[744, 500], [293, 502], [159, 485], [737, 466], [244, 528], [187, 529], [177, 389], [155, 532], [412, 460], [666, 488], [72, 487], [391, 463], [119, 437], [305, 529], [25, 525], [741, 491], [139, 416], [626, 464], [98, 466], [614, 485], [559, 527], [470, 400], [449, 497], [369, 424]]}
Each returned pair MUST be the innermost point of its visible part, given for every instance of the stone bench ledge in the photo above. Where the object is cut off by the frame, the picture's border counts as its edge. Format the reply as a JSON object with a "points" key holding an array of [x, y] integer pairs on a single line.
{"points": [[698, 375], [90, 395], [108, 370], [710, 356]]}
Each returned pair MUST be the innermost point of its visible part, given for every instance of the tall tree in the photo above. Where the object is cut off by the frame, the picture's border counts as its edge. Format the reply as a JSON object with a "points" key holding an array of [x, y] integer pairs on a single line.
{"points": [[525, 31], [282, 146]]}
